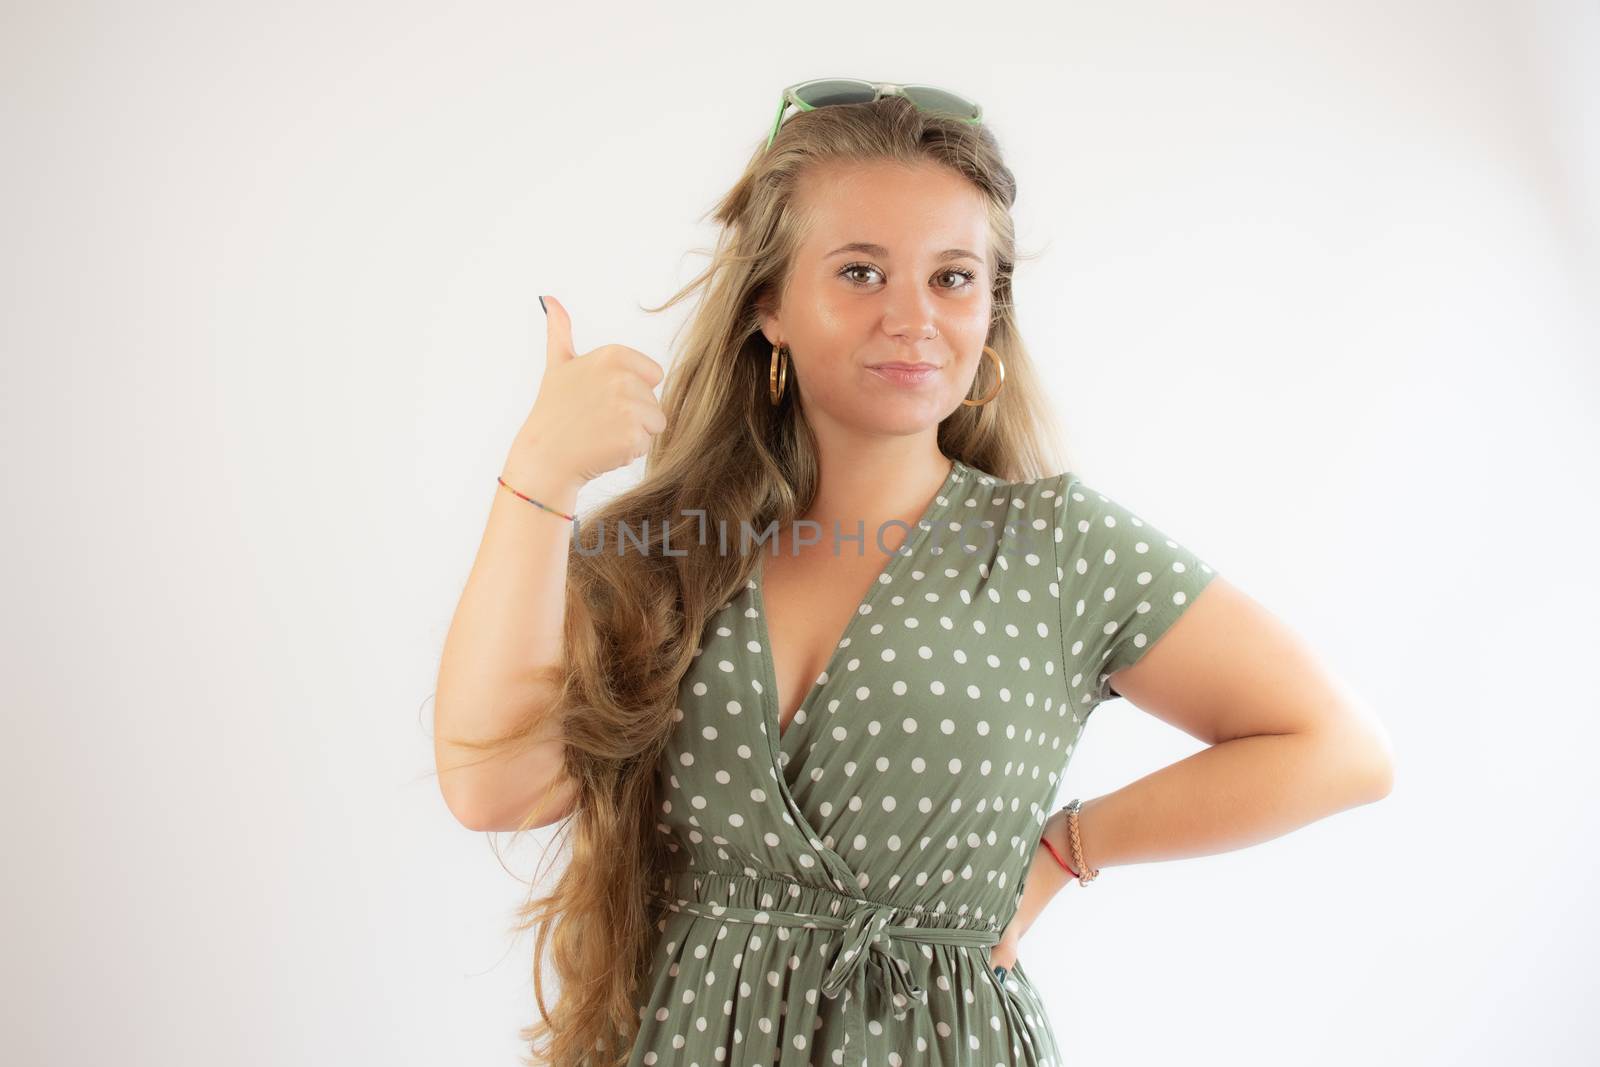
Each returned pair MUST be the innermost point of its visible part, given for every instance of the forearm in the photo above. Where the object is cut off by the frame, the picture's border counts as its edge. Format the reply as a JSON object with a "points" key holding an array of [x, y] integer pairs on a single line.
{"points": [[1045, 878], [507, 628], [1224, 797]]}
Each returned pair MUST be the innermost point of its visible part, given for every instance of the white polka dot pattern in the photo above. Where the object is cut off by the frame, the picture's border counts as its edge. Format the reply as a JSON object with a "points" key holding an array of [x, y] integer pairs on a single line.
{"points": [[1123, 584], [907, 794]]}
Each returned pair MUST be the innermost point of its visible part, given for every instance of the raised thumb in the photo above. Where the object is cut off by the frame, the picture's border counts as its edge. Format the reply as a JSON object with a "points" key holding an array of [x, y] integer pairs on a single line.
{"points": [[557, 333]]}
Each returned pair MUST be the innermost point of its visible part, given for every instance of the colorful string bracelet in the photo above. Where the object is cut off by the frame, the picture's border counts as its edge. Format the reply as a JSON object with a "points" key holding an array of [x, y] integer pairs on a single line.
{"points": [[532, 501]]}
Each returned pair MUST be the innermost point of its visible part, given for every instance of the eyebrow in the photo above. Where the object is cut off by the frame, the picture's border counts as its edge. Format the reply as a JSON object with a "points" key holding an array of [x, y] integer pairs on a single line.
{"points": [[870, 249]]}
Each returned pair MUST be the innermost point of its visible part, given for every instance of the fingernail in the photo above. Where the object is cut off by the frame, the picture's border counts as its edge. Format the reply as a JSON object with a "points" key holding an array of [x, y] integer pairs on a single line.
{"points": [[1000, 973], [542, 307]]}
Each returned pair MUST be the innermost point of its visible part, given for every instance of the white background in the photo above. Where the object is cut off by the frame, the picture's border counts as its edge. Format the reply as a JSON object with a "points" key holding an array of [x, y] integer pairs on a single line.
{"points": [[1315, 293]]}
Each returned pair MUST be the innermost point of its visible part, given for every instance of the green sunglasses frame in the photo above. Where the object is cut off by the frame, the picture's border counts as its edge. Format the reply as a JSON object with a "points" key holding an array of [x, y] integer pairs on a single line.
{"points": [[790, 97]]}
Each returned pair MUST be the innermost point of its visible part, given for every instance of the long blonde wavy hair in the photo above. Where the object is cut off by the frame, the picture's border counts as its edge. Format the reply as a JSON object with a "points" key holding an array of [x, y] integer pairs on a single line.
{"points": [[634, 620]]}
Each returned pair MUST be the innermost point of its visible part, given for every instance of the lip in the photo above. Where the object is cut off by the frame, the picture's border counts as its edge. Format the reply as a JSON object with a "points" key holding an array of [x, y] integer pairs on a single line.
{"points": [[900, 373]]}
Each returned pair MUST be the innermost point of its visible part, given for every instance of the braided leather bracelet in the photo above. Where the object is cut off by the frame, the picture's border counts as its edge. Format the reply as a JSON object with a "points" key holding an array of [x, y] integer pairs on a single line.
{"points": [[1071, 808]]}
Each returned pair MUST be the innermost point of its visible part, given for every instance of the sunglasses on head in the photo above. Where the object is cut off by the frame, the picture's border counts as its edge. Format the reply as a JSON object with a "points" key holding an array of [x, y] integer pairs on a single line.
{"points": [[820, 92]]}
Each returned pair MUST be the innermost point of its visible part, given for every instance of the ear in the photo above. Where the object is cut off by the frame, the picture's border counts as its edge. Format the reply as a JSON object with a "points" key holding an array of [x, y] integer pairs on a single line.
{"points": [[766, 316]]}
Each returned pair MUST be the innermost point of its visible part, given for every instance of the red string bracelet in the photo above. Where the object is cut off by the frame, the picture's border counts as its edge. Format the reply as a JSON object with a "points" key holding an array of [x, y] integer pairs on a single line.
{"points": [[1045, 841]]}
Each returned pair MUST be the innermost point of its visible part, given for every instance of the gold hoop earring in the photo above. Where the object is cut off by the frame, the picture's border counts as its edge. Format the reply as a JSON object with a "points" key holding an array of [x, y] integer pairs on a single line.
{"points": [[1000, 370], [777, 375]]}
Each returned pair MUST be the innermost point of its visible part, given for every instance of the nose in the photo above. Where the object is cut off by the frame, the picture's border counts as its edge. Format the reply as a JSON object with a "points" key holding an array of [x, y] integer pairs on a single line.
{"points": [[910, 312]]}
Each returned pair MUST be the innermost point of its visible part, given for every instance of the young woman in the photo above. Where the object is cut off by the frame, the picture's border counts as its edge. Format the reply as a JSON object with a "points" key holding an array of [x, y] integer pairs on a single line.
{"points": [[811, 780]]}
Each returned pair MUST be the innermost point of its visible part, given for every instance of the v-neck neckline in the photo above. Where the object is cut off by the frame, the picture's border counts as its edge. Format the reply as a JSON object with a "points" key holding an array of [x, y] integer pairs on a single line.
{"points": [[772, 710]]}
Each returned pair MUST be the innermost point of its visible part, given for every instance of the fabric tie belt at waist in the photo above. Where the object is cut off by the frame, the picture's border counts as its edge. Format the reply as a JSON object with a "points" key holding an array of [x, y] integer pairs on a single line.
{"points": [[866, 943]]}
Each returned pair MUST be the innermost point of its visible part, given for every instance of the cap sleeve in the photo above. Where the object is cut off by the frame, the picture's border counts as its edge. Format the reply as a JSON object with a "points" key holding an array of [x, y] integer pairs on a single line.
{"points": [[1122, 584]]}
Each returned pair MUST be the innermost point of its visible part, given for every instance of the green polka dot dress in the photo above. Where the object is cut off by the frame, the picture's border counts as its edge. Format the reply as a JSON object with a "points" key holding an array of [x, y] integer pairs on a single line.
{"points": [[835, 890]]}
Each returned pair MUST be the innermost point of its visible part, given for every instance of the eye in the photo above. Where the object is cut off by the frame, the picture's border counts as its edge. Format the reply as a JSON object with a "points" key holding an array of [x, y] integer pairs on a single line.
{"points": [[968, 276]]}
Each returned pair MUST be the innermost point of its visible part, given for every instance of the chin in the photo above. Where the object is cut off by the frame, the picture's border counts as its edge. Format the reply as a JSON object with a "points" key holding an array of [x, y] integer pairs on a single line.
{"points": [[901, 420]]}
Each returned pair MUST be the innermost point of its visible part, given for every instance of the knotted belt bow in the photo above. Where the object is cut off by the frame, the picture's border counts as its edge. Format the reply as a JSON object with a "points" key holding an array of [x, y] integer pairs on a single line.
{"points": [[866, 944]]}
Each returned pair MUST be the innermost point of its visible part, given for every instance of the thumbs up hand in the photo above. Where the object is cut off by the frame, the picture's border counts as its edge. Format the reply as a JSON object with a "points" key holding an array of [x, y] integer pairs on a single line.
{"points": [[595, 412]]}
